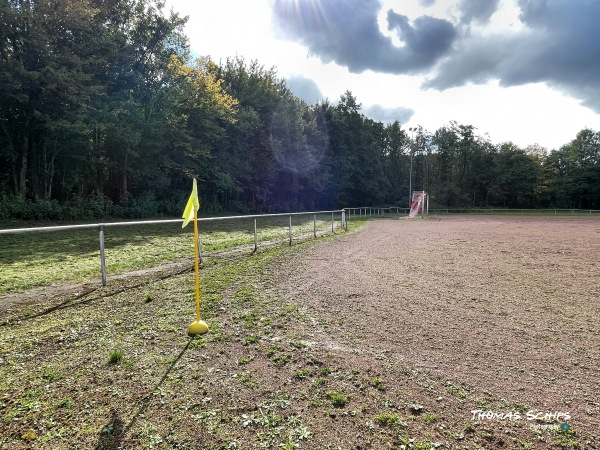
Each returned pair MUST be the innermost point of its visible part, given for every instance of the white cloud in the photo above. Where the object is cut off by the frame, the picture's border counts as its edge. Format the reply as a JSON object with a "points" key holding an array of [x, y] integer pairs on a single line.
{"points": [[525, 114]]}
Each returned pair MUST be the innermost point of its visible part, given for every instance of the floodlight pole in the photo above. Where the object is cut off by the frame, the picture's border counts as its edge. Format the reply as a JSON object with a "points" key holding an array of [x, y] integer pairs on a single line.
{"points": [[412, 135], [410, 182]]}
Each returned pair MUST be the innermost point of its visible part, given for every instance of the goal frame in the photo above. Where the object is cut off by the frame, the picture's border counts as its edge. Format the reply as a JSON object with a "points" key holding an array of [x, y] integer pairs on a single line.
{"points": [[419, 205]]}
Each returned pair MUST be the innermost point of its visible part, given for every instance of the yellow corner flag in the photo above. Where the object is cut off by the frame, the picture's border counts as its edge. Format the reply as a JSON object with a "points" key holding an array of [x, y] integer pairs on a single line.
{"points": [[190, 213], [192, 205]]}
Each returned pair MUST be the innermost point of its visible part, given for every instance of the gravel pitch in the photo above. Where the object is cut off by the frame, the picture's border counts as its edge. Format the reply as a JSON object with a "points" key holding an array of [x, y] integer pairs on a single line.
{"points": [[505, 306]]}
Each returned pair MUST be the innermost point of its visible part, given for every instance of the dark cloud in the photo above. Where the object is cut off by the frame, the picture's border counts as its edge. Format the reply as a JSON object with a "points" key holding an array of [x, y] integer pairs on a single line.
{"points": [[476, 60], [388, 115], [477, 10], [305, 88], [559, 45], [426, 3], [428, 39], [347, 32]]}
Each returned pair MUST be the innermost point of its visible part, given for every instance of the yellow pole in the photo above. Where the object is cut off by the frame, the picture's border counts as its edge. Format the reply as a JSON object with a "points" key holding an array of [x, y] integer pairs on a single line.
{"points": [[198, 326], [196, 265]]}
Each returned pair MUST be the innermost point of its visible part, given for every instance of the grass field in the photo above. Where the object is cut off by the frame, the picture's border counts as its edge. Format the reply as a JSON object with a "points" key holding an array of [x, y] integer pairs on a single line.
{"points": [[37, 259], [80, 370], [385, 338]]}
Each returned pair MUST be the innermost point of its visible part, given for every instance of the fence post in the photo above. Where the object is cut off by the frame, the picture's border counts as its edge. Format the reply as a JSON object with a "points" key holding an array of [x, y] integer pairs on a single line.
{"points": [[332, 222], [315, 225], [290, 229], [255, 237], [344, 220], [102, 256]]}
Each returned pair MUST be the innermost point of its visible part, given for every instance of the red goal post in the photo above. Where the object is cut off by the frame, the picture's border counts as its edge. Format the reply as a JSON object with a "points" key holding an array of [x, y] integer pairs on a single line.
{"points": [[419, 204]]}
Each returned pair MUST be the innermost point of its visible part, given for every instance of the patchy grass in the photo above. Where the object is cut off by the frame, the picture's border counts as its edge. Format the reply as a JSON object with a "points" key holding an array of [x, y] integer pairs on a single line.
{"points": [[115, 356], [74, 375], [338, 399], [388, 419], [565, 438], [378, 383]]}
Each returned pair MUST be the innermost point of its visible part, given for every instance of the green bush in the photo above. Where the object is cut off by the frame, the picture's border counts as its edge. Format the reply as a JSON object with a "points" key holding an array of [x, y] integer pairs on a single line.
{"points": [[93, 207]]}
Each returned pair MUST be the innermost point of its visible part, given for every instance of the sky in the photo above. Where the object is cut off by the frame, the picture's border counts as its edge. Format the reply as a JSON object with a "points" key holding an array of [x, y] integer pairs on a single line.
{"points": [[525, 71]]}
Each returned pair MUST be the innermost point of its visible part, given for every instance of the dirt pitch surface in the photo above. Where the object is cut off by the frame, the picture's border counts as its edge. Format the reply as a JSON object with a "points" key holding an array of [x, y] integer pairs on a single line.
{"points": [[457, 332], [501, 307]]}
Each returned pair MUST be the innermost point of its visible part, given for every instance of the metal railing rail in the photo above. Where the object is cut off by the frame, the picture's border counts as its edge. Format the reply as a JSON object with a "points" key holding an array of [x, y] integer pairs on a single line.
{"points": [[101, 227], [368, 211], [556, 211], [346, 214]]}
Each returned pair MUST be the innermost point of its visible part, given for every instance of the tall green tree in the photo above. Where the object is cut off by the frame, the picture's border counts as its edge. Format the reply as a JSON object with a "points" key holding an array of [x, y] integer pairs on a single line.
{"points": [[396, 163], [516, 178], [47, 51], [572, 173], [140, 41], [251, 162], [197, 126]]}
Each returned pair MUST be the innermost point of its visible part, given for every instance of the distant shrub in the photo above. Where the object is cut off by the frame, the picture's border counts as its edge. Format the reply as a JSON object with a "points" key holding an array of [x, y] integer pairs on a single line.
{"points": [[95, 206], [138, 207], [14, 207]]}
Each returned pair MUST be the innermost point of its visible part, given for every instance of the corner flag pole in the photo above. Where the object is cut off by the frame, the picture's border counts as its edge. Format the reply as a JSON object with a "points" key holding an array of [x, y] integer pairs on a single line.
{"points": [[196, 266], [190, 213]]}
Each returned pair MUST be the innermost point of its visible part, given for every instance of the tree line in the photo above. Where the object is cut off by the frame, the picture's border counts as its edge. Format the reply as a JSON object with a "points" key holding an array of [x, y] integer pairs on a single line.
{"points": [[104, 112]]}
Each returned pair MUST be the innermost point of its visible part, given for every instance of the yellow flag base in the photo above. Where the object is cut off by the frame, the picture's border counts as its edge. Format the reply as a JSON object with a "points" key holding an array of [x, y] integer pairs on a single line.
{"points": [[198, 327]]}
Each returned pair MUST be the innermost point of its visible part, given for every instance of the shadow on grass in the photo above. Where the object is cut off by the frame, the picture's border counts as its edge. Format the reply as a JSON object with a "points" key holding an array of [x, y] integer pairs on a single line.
{"points": [[73, 302], [112, 434]]}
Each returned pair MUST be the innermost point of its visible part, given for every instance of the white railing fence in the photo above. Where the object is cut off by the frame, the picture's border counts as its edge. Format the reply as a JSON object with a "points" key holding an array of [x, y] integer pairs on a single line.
{"points": [[369, 211], [346, 215], [549, 211], [101, 227]]}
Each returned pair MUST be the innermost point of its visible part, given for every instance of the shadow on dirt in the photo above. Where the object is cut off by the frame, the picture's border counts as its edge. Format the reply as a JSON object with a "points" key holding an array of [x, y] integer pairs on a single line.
{"points": [[112, 434]]}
